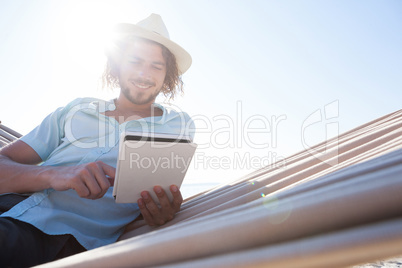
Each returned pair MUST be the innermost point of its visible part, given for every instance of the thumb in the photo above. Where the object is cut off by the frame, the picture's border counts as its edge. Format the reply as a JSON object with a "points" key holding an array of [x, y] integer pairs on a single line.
{"points": [[110, 172], [111, 180]]}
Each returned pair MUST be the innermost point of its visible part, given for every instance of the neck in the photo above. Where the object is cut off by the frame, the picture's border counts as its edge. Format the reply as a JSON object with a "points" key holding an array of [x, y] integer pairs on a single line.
{"points": [[127, 109]]}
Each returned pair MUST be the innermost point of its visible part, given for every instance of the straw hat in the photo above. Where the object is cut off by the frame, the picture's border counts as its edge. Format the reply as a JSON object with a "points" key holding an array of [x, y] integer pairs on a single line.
{"points": [[154, 29]]}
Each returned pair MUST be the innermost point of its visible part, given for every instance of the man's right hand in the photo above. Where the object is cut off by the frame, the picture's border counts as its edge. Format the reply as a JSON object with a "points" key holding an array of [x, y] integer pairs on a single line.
{"points": [[91, 180], [20, 174]]}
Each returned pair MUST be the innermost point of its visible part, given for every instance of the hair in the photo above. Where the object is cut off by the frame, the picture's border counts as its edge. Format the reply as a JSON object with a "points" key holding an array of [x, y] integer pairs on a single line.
{"points": [[173, 83]]}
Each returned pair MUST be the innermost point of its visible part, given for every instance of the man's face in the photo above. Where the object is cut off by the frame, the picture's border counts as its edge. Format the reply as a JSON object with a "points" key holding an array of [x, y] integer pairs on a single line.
{"points": [[142, 71]]}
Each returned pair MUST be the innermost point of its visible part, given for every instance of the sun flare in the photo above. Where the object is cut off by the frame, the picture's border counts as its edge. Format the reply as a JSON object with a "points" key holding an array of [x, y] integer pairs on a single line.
{"points": [[79, 46]]}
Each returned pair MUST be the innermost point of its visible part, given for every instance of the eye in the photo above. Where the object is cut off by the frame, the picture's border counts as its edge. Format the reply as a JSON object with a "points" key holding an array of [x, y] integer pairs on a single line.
{"points": [[157, 67]]}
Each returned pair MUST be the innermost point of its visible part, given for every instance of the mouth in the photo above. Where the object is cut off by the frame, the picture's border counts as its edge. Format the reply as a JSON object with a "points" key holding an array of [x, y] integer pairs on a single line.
{"points": [[142, 84]]}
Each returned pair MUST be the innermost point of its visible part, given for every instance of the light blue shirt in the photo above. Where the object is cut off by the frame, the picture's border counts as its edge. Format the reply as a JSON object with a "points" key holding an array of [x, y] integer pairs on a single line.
{"points": [[79, 133]]}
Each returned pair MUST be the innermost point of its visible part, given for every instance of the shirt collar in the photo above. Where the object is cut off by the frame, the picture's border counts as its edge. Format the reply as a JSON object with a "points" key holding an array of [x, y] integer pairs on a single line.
{"points": [[102, 106]]}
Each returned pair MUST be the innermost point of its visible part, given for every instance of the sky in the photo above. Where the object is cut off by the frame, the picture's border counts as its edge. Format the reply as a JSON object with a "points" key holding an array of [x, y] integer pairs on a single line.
{"points": [[269, 78]]}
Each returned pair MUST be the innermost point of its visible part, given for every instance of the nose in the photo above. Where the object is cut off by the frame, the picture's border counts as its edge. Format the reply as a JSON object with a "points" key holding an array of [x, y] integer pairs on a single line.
{"points": [[143, 75], [144, 71]]}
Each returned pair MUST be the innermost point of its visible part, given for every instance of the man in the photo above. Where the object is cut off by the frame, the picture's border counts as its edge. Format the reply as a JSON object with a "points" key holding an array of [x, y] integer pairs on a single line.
{"points": [[72, 208]]}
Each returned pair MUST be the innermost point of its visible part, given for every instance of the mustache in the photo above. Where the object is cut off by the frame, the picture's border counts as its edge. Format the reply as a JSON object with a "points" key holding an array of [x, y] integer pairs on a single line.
{"points": [[144, 82]]}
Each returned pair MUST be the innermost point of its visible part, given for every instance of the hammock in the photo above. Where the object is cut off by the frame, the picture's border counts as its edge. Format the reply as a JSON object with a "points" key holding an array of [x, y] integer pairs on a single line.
{"points": [[7, 135], [337, 204]]}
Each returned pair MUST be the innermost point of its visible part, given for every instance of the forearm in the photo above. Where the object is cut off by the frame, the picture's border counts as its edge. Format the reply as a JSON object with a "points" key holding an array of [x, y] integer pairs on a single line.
{"points": [[20, 174], [23, 178]]}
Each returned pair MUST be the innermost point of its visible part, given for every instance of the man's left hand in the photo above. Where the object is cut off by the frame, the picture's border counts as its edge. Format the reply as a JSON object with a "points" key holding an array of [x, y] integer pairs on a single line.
{"points": [[155, 215]]}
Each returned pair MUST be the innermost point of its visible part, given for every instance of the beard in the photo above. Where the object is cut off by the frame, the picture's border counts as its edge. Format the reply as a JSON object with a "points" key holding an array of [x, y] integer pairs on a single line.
{"points": [[139, 98]]}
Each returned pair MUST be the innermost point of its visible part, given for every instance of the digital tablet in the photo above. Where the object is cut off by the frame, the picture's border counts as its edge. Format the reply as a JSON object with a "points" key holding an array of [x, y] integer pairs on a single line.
{"points": [[147, 160]]}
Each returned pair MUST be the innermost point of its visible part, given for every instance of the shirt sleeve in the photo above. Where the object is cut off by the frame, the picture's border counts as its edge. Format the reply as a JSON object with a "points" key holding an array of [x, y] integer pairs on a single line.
{"points": [[46, 137]]}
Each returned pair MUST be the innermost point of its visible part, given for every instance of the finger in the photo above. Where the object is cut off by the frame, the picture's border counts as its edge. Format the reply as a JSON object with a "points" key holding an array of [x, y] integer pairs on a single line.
{"points": [[163, 198], [93, 187], [145, 213], [80, 187], [150, 203], [158, 217], [98, 184], [84, 183], [111, 180], [76, 183], [177, 197], [166, 211], [102, 177], [108, 170]]}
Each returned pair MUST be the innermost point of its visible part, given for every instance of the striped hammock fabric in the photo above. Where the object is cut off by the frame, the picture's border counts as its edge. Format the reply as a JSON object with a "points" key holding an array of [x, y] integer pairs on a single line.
{"points": [[337, 204]]}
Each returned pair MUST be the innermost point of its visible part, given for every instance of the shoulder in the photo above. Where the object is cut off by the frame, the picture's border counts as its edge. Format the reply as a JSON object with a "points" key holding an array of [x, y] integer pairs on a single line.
{"points": [[177, 119], [173, 112], [86, 102]]}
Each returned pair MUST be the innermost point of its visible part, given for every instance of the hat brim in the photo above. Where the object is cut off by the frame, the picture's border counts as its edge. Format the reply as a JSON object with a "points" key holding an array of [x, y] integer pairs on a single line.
{"points": [[183, 58]]}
